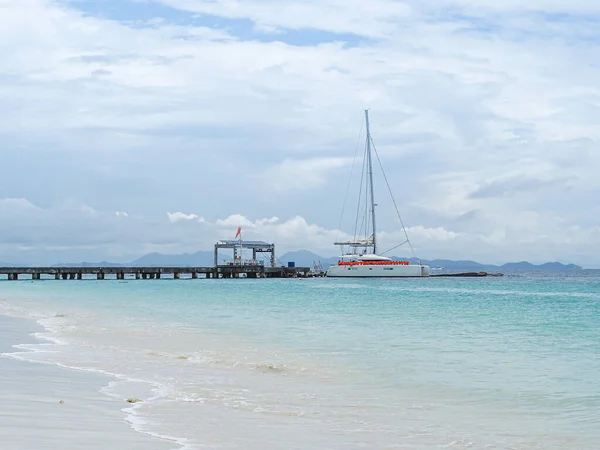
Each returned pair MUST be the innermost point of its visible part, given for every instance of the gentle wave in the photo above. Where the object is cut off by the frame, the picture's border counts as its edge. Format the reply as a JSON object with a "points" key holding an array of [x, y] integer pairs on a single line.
{"points": [[494, 292]]}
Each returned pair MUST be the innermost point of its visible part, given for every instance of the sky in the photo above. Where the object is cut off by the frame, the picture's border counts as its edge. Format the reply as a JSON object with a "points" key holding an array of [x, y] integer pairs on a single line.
{"points": [[137, 126]]}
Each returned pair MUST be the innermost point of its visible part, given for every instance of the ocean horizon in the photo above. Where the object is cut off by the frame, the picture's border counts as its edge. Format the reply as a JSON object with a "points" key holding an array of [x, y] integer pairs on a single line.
{"points": [[496, 363]]}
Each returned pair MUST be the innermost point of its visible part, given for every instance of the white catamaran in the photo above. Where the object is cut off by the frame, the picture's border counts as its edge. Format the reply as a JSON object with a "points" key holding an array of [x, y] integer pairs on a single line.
{"points": [[363, 259]]}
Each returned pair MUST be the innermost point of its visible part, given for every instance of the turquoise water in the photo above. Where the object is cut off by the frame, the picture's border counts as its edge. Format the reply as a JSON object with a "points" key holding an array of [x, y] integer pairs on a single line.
{"points": [[506, 363]]}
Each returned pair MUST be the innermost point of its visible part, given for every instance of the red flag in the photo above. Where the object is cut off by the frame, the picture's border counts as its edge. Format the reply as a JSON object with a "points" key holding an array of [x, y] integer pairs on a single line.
{"points": [[239, 231]]}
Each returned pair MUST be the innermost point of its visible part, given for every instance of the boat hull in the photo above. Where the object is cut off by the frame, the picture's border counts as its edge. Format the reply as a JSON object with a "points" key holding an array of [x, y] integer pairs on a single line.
{"points": [[378, 271]]}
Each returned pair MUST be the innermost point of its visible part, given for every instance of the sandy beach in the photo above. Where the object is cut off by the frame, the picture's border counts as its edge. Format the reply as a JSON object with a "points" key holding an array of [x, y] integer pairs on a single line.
{"points": [[32, 416]]}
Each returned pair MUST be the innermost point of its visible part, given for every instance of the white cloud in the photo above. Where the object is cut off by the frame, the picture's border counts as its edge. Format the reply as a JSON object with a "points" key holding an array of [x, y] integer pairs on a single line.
{"points": [[70, 236], [267, 221], [301, 174], [419, 232], [291, 234], [545, 6], [235, 220], [16, 205], [341, 16], [482, 111], [179, 217]]}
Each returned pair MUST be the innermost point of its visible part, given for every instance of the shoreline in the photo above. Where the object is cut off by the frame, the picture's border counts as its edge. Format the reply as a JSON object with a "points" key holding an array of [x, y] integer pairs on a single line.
{"points": [[45, 406]]}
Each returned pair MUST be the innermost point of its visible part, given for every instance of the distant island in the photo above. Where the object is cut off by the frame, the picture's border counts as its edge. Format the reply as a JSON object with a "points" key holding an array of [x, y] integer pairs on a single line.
{"points": [[305, 258]]}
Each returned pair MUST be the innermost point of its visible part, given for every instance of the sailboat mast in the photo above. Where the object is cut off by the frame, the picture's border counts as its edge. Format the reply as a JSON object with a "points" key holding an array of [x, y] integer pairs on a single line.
{"points": [[370, 169]]}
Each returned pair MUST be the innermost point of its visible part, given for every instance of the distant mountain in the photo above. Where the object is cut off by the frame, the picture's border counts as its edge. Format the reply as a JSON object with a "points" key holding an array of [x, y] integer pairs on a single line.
{"points": [[5, 264], [524, 265], [508, 267], [89, 264], [305, 258], [199, 259], [559, 266]]}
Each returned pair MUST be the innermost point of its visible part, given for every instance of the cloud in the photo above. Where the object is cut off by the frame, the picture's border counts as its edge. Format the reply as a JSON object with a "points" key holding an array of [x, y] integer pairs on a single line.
{"points": [[325, 14], [73, 236], [482, 112], [517, 185], [302, 174], [544, 6], [235, 220], [431, 234], [16, 205], [179, 217]]}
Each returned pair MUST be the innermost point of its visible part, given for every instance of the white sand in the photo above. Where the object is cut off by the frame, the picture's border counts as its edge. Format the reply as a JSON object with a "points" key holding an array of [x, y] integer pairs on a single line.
{"points": [[32, 417]]}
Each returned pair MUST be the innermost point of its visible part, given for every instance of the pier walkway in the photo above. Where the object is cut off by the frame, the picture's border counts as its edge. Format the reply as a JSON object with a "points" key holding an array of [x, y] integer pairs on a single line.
{"points": [[120, 273]]}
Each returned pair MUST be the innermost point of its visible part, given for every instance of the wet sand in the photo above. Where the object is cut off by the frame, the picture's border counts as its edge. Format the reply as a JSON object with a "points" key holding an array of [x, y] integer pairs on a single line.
{"points": [[33, 417]]}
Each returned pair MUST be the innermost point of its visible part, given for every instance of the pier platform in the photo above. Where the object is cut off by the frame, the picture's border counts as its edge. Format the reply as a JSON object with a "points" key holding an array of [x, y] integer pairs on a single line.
{"points": [[121, 273]]}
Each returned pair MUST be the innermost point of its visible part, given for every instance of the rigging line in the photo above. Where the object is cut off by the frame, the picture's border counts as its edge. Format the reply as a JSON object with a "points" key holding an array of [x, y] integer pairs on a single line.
{"points": [[367, 196], [362, 175], [394, 248], [393, 200], [365, 225], [349, 181]]}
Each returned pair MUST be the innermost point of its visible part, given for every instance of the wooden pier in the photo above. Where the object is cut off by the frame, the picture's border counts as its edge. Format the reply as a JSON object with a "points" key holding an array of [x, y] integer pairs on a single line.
{"points": [[121, 273], [229, 268]]}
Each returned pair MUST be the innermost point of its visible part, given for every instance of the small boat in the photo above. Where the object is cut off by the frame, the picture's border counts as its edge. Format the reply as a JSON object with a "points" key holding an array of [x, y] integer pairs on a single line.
{"points": [[363, 260]]}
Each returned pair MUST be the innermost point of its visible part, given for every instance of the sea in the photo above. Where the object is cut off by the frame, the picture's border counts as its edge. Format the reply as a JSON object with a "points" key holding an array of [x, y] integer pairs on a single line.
{"points": [[507, 362]]}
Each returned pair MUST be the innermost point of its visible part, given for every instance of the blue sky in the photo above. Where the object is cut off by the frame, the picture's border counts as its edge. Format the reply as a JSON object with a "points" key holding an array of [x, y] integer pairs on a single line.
{"points": [[138, 126], [142, 13]]}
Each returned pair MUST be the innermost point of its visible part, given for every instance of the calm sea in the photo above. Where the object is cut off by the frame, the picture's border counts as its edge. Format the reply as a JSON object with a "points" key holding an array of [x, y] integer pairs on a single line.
{"points": [[494, 363]]}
